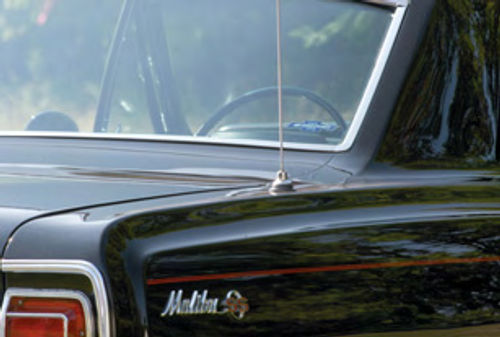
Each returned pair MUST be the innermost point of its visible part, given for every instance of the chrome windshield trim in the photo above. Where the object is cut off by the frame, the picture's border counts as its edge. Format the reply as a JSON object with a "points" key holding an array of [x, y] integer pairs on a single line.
{"points": [[78, 267], [346, 144], [391, 3], [374, 80]]}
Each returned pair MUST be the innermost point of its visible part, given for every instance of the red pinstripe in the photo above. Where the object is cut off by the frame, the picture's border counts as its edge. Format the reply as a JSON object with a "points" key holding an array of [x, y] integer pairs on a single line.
{"points": [[308, 270]]}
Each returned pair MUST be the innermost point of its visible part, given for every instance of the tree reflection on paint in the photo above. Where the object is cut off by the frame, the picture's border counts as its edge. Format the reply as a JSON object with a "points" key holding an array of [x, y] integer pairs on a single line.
{"points": [[450, 106]]}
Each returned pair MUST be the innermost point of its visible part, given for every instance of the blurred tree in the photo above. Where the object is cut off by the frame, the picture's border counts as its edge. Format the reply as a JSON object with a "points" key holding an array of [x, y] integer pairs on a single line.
{"points": [[52, 56], [450, 106]]}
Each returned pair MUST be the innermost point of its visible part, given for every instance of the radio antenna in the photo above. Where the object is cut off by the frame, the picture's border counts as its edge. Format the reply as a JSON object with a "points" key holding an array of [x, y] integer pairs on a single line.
{"points": [[282, 183]]}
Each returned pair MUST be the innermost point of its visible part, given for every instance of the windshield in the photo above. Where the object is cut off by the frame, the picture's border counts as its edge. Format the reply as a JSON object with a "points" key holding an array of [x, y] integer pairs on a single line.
{"points": [[201, 69]]}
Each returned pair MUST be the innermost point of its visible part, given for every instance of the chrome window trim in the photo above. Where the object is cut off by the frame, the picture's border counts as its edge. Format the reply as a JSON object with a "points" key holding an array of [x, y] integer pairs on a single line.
{"points": [[400, 7], [374, 80], [391, 3], [79, 267]]}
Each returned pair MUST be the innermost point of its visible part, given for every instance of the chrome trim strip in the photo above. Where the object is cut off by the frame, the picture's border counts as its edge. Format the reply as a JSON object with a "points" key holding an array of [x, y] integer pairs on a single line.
{"points": [[79, 267], [374, 80], [392, 3], [346, 144]]}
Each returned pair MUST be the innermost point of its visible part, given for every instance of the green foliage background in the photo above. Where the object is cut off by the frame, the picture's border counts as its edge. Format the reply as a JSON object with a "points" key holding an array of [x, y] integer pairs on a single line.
{"points": [[218, 51], [55, 65]]}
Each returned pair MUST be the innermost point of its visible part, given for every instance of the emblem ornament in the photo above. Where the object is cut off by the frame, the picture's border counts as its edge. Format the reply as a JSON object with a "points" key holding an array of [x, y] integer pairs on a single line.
{"points": [[233, 304]]}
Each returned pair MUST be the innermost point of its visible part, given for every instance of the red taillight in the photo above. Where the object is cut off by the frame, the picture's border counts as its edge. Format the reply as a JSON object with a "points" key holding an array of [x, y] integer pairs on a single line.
{"points": [[34, 327], [47, 313]]}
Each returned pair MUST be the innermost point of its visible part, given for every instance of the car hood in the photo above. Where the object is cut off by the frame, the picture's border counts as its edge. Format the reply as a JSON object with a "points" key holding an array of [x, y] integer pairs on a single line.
{"points": [[29, 191], [42, 187]]}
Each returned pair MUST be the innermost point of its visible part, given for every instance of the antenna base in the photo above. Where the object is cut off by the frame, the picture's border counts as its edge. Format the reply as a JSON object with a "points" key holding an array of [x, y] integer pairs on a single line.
{"points": [[282, 184]]}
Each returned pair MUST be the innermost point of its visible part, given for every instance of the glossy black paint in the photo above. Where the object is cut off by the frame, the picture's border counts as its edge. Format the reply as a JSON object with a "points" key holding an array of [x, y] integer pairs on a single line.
{"points": [[355, 226], [338, 303], [447, 113], [39, 177], [413, 216]]}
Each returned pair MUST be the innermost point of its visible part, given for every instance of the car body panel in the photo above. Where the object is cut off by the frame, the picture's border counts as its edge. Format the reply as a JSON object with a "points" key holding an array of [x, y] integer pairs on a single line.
{"points": [[383, 235]]}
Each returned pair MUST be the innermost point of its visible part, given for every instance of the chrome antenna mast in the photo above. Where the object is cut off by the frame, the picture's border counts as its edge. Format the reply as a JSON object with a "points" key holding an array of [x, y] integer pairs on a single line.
{"points": [[282, 183]]}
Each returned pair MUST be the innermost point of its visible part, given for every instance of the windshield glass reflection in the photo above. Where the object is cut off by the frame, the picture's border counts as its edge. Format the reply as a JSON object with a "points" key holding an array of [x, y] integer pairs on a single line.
{"points": [[193, 68]]}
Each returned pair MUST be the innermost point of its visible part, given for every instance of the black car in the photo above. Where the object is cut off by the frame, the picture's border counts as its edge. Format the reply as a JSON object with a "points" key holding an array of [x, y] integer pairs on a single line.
{"points": [[250, 168]]}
